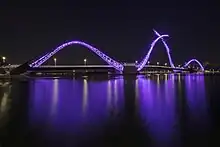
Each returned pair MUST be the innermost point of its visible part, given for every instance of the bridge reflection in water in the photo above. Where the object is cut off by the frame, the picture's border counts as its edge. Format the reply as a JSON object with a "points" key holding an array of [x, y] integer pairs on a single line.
{"points": [[168, 111], [174, 111], [72, 105]]}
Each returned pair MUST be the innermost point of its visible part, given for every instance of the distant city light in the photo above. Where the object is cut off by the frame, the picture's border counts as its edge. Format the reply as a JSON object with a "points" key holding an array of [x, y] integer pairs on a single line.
{"points": [[55, 61], [85, 60], [3, 58]]}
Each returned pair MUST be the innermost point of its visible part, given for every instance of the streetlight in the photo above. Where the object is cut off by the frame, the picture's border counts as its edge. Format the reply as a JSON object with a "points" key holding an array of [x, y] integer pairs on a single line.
{"points": [[148, 62], [136, 62], [3, 59], [55, 61], [165, 64], [85, 60], [158, 63]]}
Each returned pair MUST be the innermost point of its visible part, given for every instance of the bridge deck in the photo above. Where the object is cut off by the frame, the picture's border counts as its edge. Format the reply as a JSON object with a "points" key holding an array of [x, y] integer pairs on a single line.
{"points": [[92, 66]]}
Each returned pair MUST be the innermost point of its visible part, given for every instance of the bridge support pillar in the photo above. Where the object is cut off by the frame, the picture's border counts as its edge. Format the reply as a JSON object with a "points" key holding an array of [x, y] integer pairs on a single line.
{"points": [[130, 70]]}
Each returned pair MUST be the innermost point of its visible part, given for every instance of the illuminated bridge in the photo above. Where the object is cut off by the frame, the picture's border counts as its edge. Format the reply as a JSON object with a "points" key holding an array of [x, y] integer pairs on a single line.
{"points": [[36, 64]]}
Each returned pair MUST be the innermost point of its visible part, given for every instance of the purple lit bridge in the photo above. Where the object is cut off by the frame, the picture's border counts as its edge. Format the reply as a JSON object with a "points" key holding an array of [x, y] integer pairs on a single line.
{"points": [[36, 64]]}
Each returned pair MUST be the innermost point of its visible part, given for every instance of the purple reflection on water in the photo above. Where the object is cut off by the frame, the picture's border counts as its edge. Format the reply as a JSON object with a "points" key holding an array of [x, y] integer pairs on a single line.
{"points": [[115, 91], [196, 102], [157, 108], [73, 106]]}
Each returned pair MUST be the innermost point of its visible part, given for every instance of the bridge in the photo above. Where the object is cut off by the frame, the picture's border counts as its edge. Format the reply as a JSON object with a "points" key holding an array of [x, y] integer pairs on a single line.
{"points": [[93, 66], [84, 67], [36, 64]]}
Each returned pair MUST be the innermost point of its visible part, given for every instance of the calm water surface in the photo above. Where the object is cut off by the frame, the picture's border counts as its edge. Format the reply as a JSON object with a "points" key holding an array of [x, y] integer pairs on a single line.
{"points": [[139, 111]]}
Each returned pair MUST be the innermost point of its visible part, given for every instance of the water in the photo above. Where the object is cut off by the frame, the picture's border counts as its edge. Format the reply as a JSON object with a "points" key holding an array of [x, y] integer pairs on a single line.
{"points": [[160, 111]]}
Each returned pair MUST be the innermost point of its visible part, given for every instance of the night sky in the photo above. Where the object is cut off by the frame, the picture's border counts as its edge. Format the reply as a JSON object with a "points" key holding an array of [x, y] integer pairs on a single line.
{"points": [[122, 30]]}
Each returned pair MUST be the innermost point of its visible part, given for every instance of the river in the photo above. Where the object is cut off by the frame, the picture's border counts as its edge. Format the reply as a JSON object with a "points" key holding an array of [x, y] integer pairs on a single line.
{"points": [[156, 111]]}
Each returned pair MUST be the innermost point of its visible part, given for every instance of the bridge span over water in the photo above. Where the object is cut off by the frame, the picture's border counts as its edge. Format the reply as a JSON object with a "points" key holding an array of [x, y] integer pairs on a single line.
{"points": [[36, 64]]}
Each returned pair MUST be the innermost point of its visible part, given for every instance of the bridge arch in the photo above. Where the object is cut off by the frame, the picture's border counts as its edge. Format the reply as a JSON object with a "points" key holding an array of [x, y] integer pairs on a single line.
{"points": [[167, 49], [146, 58], [194, 60], [118, 66]]}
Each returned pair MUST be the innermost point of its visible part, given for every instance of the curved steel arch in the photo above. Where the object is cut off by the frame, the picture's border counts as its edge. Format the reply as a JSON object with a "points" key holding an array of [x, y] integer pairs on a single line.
{"points": [[194, 60], [118, 66], [167, 49], [146, 58]]}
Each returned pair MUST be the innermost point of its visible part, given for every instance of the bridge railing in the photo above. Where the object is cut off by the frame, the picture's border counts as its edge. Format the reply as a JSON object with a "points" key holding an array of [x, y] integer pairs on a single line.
{"points": [[95, 66]]}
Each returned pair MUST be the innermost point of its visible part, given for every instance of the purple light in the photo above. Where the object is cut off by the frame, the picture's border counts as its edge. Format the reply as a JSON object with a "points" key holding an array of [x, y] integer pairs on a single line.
{"points": [[194, 60], [69, 105], [167, 49], [195, 99], [118, 66], [144, 61], [157, 103], [38, 60]]}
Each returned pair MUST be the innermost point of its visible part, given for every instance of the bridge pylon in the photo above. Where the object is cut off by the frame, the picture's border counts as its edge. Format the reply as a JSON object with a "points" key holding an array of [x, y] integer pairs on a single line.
{"points": [[20, 69]]}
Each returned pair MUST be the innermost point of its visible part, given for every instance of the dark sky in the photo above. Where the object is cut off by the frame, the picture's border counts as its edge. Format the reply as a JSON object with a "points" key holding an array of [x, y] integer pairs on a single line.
{"points": [[123, 30]]}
